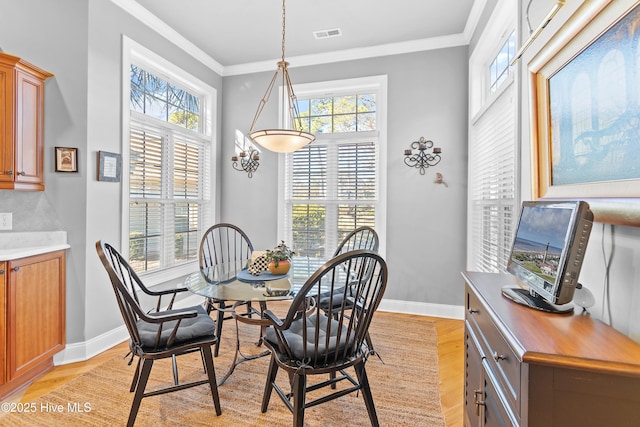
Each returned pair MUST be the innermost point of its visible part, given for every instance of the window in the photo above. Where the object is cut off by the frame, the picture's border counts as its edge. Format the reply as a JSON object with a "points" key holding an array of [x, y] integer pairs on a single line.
{"points": [[334, 185], [493, 149], [168, 162], [500, 67]]}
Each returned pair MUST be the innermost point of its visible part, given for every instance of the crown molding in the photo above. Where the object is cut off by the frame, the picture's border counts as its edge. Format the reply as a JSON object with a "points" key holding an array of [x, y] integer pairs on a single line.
{"points": [[433, 43], [474, 18], [156, 24], [159, 26]]}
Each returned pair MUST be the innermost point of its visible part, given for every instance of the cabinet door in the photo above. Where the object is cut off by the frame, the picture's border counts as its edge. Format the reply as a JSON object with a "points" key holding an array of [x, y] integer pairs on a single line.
{"points": [[36, 311], [3, 322], [495, 414], [6, 124], [473, 381], [29, 129]]}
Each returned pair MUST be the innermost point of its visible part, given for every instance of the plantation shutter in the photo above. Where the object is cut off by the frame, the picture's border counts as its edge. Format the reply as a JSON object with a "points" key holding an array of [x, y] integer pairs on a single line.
{"points": [[357, 186], [190, 184], [168, 188], [492, 184], [145, 190], [330, 189]]}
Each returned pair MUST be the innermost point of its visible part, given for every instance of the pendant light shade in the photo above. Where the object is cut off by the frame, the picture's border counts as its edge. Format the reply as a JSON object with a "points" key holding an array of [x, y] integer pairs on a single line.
{"points": [[281, 140]]}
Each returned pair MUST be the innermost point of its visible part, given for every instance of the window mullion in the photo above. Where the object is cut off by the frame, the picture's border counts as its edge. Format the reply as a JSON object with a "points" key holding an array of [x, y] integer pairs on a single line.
{"points": [[331, 202]]}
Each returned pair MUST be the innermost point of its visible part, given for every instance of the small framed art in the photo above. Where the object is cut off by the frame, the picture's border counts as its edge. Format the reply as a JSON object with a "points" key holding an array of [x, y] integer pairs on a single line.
{"points": [[109, 166], [66, 159]]}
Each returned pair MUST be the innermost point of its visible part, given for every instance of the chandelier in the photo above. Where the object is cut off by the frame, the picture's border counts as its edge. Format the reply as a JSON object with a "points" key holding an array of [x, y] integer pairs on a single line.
{"points": [[281, 140]]}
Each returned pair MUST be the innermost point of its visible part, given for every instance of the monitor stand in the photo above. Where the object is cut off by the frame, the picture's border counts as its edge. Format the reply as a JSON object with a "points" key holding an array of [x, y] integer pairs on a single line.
{"points": [[535, 301]]}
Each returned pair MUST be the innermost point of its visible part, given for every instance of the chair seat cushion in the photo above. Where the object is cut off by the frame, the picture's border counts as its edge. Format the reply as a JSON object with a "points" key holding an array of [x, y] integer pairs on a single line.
{"points": [[193, 328], [335, 302], [295, 339]]}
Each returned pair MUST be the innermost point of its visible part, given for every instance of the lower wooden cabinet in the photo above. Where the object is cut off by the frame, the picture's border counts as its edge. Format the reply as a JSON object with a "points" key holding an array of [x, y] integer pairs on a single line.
{"points": [[524, 367], [32, 324]]}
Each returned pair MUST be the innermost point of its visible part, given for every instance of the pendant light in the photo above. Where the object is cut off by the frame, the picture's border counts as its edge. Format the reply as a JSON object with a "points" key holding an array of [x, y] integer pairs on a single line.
{"points": [[281, 140]]}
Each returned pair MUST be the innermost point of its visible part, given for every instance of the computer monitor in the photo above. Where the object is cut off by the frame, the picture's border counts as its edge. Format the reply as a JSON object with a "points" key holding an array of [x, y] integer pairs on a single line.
{"points": [[547, 253]]}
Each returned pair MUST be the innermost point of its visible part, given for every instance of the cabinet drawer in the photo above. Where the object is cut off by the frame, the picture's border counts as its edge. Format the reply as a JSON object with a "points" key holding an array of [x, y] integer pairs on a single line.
{"points": [[499, 356]]}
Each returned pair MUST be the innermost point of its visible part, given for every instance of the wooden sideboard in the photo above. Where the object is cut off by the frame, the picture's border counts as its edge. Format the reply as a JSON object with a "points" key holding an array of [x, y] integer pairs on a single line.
{"points": [[525, 367]]}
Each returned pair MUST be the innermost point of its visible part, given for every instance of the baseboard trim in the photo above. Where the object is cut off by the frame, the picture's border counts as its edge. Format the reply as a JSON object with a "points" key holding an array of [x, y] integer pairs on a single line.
{"points": [[423, 309], [79, 352]]}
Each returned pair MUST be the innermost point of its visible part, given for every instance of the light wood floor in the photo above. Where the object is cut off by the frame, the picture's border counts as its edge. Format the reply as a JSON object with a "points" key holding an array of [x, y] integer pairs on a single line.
{"points": [[450, 355]]}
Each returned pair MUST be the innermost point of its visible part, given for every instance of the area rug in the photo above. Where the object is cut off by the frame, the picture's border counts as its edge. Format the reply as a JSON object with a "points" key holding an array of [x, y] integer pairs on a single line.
{"points": [[404, 382]]}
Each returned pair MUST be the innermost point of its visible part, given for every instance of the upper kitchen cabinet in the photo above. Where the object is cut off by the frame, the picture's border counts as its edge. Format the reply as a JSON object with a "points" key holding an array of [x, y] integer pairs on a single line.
{"points": [[21, 124]]}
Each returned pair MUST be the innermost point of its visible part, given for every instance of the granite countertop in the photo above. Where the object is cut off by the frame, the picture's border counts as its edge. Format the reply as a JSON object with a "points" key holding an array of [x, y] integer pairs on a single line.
{"points": [[22, 244]]}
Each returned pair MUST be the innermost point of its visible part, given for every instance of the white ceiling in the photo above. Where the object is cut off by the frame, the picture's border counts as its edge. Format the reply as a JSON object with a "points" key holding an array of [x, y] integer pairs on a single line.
{"points": [[236, 33]]}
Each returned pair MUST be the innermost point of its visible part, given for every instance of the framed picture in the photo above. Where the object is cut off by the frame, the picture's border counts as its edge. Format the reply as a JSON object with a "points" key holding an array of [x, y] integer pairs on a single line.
{"points": [[66, 159], [586, 111], [109, 166]]}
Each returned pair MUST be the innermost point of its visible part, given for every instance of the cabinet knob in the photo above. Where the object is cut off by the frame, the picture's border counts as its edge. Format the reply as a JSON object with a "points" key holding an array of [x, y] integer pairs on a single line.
{"points": [[1, 271], [21, 173], [9, 172], [473, 310], [16, 268], [498, 357]]}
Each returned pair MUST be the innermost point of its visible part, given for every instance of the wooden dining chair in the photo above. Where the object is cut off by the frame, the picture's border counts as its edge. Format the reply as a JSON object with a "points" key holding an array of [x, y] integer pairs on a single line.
{"points": [[309, 342], [158, 334], [365, 238], [228, 248]]}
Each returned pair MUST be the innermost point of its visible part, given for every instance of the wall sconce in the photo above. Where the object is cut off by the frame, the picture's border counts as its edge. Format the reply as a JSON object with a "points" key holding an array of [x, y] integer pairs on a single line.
{"points": [[423, 158], [248, 163]]}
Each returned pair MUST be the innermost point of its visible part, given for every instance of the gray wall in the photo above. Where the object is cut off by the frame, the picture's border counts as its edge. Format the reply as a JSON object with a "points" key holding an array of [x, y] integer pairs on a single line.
{"points": [[80, 42], [426, 225]]}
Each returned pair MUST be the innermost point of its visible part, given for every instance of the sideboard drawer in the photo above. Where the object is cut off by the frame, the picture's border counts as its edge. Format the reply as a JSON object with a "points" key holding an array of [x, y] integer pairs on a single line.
{"points": [[500, 358]]}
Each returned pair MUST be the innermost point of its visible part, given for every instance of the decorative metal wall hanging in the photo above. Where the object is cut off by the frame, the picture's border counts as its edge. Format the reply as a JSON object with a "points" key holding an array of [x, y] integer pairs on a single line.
{"points": [[427, 155], [248, 163]]}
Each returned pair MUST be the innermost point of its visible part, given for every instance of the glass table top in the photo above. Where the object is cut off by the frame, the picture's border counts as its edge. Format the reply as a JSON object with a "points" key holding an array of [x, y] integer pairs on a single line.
{"points": [[234, 283]]}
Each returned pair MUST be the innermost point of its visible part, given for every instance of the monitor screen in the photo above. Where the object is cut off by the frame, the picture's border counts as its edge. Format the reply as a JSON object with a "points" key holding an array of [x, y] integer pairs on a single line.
{"points": [[548, 248]]}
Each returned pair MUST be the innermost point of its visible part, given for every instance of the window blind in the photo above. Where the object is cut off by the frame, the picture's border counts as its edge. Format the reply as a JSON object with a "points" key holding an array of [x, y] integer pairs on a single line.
{"points": [[330, 189], [168, 195], [492, 178]]}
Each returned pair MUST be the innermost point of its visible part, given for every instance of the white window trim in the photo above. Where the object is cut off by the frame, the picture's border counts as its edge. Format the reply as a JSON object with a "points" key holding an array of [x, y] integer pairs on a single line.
{"points": [[133, 52], [502, 25], [371, 84]]}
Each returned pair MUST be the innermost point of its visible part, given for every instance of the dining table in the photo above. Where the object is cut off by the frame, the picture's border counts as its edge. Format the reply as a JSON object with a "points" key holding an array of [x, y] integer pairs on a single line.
{"points": [[234, 284]]}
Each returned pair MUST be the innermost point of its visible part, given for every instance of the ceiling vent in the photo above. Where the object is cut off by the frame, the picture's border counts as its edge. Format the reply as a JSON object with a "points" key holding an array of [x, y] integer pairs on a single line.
{"points": [[323, 34]]}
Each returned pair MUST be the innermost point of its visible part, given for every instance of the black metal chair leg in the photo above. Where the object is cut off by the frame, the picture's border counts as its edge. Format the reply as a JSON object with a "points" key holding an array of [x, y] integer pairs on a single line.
{"points": [[174, 362], [142, 383], [268, 388], [366, 393], [299, 385], [207, 359], [136, 376]]}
